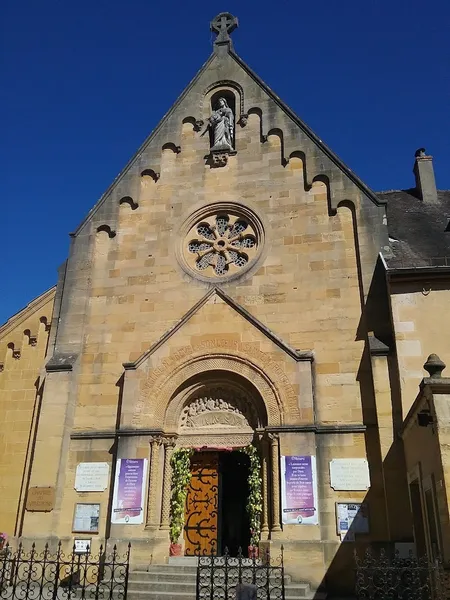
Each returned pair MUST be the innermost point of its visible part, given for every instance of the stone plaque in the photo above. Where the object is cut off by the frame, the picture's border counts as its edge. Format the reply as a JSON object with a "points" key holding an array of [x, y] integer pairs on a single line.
{"points": [[92, 477], [349, 474], [40, 499]]}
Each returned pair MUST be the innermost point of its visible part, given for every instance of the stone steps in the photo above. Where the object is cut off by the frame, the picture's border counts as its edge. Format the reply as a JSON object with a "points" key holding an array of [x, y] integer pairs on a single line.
{"points": [[178, 582]]}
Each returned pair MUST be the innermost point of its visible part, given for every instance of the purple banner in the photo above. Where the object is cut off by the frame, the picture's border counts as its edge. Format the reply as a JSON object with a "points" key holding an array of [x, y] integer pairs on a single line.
{"points": [[128, 502], [299, 490]]}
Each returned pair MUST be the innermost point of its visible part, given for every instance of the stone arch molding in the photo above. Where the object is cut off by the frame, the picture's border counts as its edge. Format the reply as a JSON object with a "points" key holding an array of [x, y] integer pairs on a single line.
{"points": [[160, 403]]}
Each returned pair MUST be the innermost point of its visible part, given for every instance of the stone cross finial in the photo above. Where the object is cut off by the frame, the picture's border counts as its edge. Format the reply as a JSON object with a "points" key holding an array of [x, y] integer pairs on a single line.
{"points": [[224, 24], [434, 366]]}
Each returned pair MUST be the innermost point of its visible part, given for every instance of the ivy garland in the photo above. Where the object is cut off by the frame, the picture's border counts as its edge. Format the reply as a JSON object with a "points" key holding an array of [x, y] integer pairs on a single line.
{"points": [[254, 502], [181, 477]]}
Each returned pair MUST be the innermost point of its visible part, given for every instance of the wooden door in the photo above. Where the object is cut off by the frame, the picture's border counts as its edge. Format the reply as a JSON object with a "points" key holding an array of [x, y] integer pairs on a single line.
{"points": [[201, 516]]}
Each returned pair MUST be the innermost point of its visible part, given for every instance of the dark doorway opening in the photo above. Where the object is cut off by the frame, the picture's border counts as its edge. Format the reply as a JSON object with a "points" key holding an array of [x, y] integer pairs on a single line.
{"points": [[234, 525]]}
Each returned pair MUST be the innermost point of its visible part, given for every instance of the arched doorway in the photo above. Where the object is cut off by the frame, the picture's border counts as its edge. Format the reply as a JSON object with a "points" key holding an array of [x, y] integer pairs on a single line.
{"points": [[220, 415]]}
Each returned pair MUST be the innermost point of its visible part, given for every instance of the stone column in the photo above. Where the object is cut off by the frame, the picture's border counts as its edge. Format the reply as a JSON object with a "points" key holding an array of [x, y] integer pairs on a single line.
{"points": [[169, 445], [152, 519], [273, 437], [265, 487]]}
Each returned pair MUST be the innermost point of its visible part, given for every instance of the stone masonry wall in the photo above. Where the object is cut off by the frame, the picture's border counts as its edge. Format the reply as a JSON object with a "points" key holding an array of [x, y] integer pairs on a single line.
{"points": [[23, 344]]}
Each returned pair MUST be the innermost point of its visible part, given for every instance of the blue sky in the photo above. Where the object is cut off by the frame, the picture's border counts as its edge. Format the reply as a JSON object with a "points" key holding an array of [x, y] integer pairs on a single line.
{"points": [[85, 82]]}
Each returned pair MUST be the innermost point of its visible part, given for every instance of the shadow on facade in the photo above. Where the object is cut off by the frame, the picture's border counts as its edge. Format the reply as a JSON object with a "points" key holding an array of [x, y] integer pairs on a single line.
{"points": [[387, 500]]}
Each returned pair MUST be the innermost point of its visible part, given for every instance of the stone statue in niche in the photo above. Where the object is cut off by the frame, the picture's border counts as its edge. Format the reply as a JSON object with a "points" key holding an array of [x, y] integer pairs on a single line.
{"points": [[221, 125]]}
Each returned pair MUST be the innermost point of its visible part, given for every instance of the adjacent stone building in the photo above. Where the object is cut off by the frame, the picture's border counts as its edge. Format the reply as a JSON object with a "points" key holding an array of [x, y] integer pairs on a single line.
{"points": [[237, 285]]}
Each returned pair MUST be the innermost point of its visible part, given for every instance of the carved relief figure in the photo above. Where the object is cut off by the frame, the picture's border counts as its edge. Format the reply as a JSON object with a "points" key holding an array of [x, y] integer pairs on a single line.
{"points": [[213, 410], [221, 123]]}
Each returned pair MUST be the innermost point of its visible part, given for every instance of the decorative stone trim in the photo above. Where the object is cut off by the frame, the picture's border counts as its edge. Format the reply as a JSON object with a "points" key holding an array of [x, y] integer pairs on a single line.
{"points": [[219, 158], [153, 490], [106, 229], [167, 409], [243, 120], [198, 124], [151, 173], [273, 438], [219, 440], [129, 200]]}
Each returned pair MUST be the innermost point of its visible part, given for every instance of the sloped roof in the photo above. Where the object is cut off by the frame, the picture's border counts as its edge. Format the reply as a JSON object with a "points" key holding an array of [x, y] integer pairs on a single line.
{"points": [[417, 230], [27, 310]]}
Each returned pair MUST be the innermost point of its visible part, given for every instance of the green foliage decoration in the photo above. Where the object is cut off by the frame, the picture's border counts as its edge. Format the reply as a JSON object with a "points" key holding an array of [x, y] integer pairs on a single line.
{"points": [[181, 477], [254, 502]]}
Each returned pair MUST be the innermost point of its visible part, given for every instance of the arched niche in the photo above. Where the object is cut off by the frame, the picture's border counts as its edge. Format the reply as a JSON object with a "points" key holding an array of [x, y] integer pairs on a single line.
{"points": [[225, 88], [214, 104]]}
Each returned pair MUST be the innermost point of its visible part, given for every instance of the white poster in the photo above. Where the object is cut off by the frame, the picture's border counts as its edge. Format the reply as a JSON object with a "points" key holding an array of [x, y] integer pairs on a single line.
{"points": [[92, 477], [299, 490], [86, 518], [349, 474], [129, 491]]}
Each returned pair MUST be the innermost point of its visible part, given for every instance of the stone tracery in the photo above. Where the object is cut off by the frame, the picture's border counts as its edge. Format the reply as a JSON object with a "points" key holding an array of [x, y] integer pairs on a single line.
{"points": [[223, 242]]}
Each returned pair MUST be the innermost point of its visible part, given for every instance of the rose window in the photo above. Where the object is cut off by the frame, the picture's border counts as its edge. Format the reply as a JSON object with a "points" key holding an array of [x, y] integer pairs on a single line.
{"points": [[222, 244]]}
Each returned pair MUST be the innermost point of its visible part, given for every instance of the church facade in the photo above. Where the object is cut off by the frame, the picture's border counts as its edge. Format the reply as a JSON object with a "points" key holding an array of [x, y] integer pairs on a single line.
{"points": [[239, 302]]}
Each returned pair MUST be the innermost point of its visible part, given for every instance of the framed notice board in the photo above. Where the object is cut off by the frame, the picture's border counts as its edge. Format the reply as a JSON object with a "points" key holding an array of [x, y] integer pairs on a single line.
{"points": [[86, 518]]}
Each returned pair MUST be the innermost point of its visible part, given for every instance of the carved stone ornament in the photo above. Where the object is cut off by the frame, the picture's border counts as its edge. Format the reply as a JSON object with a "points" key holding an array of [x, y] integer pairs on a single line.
{"points": [[219, 159], [243, 120], [218, 409], [198, 124]]}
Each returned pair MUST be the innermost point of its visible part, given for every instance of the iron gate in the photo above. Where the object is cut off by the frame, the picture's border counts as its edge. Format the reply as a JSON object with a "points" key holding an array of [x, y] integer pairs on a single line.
{"points": [[383, 577], [46, 575], [218, 576]]}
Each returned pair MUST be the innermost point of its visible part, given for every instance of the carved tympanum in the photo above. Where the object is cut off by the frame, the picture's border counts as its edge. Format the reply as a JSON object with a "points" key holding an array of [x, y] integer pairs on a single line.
{"points": [[218, 409]]}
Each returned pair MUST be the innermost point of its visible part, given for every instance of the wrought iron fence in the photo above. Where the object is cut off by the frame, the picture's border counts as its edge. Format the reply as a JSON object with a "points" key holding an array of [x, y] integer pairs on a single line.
{"points": [[383, 577], [219, 576], [54, 575]]}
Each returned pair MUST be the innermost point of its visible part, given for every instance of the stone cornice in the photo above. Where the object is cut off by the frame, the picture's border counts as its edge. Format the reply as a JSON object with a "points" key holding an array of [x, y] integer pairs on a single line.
{"points": [[418, 274], [320, 428], [430, 387], [113, 433], [308, 428], [61, 362], [437, 385]]}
